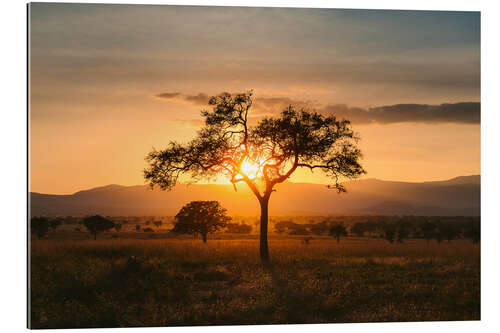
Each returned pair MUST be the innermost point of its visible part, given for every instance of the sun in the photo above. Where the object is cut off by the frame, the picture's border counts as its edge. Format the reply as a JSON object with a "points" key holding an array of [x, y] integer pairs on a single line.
{"points": [[251, 169]]}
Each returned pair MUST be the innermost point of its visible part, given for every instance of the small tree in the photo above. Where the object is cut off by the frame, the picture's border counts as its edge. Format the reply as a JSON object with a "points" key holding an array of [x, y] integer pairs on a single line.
{"points": [[118, 227], [319, 228], [358, 229], [201, 217], [438, 235], [53, 224], [428, 230], [158, 223], [299, 230], [237, 228], [39, 226], [338, 230], [403, 233], [97, 224], [390, 233], [138, 227], [260, 156], [449, 231], [473, 232], [279, 229]]}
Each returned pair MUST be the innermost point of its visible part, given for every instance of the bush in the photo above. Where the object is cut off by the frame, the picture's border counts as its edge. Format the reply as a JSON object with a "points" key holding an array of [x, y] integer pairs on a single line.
{"points": [[236, 228], [39, 226], [338, 230]]}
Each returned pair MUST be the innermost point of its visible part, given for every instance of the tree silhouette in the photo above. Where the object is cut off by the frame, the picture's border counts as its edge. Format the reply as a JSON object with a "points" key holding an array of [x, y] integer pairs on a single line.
{"points": [[118, 227], [200, 217], [338, 230], [39, 226], [158, 223], [53, 224], [389, 232], [403, 233], [261, 156], [428, 230], [238, 228], [449, 231], [358, 229], [473, 232], [97, 224], [319, 228]]}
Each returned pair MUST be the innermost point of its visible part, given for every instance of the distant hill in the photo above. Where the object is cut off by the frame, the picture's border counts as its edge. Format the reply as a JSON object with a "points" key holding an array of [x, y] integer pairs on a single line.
{"points": [[457, 196]]}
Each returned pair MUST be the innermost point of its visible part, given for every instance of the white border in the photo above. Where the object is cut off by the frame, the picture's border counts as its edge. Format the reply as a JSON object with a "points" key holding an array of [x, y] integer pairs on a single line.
{"points": [[13, 166]]}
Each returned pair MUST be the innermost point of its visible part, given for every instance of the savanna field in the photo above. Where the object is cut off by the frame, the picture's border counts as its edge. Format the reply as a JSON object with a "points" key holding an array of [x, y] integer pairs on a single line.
{"points": [[128, 281]]}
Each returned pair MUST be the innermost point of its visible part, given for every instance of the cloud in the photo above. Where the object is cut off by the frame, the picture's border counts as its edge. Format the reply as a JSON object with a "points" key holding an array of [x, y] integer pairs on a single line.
{"points": [[265, 106], [459, 113], [199, 99], [168, 95], [262, 105]]}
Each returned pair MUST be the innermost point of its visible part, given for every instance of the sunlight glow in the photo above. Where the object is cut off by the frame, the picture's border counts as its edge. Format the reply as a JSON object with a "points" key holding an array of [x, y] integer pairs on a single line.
{"points": [[251, 169]]}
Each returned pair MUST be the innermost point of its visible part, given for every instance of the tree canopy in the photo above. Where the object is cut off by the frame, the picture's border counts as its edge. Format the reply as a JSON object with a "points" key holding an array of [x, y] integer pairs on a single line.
{"points": [[338, 230], [261, 155], [200, 217], [39, 226], [54, 224], [97, 224]]}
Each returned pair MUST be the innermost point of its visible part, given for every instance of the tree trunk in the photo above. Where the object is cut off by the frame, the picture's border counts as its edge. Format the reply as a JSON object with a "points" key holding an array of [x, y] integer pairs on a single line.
{"points": [[264, 217], [204, 237], [338, 239], [95, 235]]}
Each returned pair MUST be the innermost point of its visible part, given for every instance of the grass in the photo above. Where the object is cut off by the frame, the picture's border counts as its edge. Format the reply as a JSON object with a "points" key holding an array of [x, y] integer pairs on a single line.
{"points": [[171, 282]]}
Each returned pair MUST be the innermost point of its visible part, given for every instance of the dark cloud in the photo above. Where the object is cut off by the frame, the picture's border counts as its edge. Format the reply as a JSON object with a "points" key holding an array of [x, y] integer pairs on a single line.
{"points": [[169, 95], [272, 102], [262, 105], [199, 99], [460, 113], [275, 104]]}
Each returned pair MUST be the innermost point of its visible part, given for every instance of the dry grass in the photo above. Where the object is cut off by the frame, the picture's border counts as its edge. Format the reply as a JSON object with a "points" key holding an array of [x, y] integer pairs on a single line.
{"points": [[162, 282]]}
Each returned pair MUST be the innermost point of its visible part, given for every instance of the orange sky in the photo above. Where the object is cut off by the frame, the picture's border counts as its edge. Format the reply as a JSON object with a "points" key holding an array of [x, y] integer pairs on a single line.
{"points": [[96, 71]]}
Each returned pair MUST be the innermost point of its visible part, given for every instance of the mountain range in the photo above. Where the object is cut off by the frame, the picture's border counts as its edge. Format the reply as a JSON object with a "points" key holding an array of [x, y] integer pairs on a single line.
{"points": [[457, 196]]}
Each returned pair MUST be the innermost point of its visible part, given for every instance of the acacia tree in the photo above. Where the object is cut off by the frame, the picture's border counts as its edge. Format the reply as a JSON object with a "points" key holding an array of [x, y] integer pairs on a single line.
{"points": [[200, 217], [261, 156], [96, 224], [338, 230]]}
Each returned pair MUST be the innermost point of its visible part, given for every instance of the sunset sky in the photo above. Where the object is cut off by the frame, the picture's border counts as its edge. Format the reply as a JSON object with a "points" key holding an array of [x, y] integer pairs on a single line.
{"points": [[109, 82]]}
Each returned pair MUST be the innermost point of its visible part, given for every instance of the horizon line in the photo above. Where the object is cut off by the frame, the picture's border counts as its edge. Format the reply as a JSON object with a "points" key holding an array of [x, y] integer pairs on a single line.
{"points": [[229, 184]]}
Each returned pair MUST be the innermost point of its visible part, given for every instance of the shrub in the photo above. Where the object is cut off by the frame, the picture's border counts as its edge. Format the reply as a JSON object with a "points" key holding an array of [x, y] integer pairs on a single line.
{"points": [[97, 224]]}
